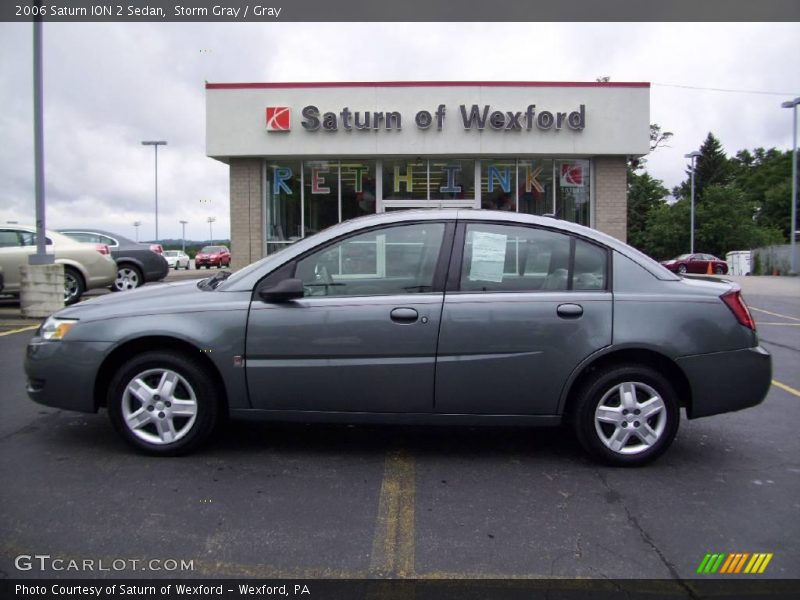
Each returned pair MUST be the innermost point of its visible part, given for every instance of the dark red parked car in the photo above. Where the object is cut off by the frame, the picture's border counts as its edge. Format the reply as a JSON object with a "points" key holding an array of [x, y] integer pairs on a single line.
{"points": [[213, 256], [696, 263]]}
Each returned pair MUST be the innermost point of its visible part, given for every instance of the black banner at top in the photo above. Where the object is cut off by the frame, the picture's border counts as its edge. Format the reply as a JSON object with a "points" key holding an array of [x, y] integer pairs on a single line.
{"points": [[269, 11]]}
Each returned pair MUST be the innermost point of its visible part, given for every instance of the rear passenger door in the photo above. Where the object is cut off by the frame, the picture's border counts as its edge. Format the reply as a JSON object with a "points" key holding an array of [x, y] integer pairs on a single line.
{"points": [[523, 307]]}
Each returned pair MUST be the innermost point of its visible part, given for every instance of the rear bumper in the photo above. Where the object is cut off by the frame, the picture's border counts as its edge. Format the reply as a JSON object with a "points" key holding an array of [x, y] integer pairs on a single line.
{"points": [[727, 381], [62, 374]]}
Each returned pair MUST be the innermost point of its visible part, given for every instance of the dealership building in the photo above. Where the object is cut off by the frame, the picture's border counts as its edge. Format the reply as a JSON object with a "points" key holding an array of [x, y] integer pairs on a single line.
{"points": [[304, 156]]}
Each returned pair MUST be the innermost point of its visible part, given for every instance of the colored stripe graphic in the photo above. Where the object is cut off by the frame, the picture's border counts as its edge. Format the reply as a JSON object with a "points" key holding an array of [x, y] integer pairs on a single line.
{"points": [[734, 563]]}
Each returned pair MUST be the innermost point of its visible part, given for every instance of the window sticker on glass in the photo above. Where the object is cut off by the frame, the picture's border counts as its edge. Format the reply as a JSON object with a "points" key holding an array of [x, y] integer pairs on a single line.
{"points": [[488, 256]]}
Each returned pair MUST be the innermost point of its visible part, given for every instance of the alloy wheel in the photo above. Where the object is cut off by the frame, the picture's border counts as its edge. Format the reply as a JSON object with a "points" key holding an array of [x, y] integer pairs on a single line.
{"points": [[630, 418]]}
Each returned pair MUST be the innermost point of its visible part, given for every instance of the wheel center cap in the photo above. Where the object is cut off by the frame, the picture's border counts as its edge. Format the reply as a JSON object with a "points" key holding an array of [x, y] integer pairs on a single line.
{"points": [[159, 405]]}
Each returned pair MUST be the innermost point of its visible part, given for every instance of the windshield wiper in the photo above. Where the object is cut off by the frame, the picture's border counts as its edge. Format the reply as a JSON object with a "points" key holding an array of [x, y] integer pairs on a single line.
{"points": [[211, 283]]}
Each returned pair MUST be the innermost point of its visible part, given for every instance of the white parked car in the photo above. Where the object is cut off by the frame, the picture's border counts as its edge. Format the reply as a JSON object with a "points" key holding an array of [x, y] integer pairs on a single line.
{"points": [[176, 259]]}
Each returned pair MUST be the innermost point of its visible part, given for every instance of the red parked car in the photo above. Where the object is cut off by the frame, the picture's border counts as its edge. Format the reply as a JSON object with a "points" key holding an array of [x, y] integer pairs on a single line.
{"points": [[213, 256], [696, 263]]}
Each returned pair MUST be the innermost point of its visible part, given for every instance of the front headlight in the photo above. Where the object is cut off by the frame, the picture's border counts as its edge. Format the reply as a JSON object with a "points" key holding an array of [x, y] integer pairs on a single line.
{"points": [[55, 329]]}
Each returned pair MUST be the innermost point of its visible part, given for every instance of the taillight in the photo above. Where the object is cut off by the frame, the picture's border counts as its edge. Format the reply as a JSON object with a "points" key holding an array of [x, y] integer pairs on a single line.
{"points": [[102, 249], [734, 301], [157, 248]]}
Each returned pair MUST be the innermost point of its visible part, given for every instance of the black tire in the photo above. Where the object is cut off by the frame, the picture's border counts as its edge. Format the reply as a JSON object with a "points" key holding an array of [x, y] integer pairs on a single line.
{"points": [[682, 269], [719, 270], [641, 384], [74, 287], [129, 277], [192, 387]]}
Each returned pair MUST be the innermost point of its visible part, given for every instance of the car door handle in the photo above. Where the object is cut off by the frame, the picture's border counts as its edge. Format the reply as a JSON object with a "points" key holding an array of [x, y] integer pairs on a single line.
{"points": [[569, 311], [404, 315]]}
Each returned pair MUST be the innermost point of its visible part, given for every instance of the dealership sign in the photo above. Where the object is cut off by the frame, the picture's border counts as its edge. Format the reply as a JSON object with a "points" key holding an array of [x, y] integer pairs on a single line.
{"points": [[475, 117]]}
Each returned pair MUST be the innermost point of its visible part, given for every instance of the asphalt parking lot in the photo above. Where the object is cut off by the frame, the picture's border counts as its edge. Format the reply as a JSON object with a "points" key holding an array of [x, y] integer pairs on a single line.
{"points": [[296, 501]]}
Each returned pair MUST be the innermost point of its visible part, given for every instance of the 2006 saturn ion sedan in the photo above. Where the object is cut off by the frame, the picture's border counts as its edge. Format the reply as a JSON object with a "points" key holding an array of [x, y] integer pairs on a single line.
{"points": [[440, 317]]}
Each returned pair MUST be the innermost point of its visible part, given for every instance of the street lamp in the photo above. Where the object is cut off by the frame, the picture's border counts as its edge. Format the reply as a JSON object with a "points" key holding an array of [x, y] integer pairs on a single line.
{"points": [[136, 224], [183, 235], [692, 155], [210, 233], [156, 144], [793, 225]]}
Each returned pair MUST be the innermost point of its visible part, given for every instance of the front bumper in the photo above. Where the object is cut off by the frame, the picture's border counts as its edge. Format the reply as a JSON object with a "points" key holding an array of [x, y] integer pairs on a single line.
{"points": [[62, 374], [727, 381]]}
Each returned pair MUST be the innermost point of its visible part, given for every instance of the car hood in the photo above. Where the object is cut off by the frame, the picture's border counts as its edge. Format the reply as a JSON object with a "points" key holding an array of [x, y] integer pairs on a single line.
{"points": [[160, 299]]}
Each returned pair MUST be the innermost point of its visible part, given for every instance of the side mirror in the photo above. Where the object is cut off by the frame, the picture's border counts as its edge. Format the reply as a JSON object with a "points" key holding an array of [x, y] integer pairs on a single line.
{"points": [[283, 291]]}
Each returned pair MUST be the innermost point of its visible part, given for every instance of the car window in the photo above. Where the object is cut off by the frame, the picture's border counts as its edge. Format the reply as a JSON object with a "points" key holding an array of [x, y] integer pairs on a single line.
{"points": [[505, 258], [590, 267], [8, 239], [27, 238], [393, 260]]}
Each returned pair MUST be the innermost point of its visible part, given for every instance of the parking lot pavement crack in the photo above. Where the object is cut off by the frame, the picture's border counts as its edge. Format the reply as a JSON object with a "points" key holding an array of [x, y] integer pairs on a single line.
{"points": [[646, 537], [32, 426]]}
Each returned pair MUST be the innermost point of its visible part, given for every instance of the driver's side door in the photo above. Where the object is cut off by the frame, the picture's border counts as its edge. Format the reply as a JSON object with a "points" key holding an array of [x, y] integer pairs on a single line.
{"points": [[363, 338]]}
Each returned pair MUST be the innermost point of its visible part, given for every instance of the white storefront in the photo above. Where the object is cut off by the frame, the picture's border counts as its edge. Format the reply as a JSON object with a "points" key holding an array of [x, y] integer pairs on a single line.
{"points": [[304, 156]]}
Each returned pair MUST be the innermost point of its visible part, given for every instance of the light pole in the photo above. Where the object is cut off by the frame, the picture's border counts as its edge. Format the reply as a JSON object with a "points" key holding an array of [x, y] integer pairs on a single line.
{"points": [[693, 156], [183, 235], [793, 224], [210, 233], [155, 144], [136, 225]]}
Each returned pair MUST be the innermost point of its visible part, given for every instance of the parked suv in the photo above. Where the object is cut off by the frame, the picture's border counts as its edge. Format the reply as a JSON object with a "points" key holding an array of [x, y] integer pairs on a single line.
{"points": [[213, 256], [137, 263]]}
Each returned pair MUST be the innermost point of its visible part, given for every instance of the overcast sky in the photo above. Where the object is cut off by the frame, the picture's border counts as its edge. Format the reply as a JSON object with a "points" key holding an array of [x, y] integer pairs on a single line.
{"points": [[110, 86]]}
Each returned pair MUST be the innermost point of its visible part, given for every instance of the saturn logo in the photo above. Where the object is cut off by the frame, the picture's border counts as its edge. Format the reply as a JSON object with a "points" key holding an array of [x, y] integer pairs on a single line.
{"points": [[279, 118]]}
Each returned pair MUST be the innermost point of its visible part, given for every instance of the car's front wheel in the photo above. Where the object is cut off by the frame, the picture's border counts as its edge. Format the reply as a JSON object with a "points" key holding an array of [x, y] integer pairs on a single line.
{"points": [[129, 277], [682, 269], [163, 403], [626, 415], [719, 270]]}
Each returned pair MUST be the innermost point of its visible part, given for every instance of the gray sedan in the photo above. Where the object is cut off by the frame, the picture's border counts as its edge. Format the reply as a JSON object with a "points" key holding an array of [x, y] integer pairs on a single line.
{"points": [[441, 317]]}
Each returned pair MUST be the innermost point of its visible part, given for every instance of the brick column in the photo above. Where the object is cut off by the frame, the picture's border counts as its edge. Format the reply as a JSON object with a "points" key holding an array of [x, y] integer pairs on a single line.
{"points": [[611, 196], [246, 197]]}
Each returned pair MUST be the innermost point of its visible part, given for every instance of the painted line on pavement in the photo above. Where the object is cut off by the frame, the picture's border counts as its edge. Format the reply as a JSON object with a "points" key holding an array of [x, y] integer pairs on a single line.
{"points": [[20, 330], [774, 314], [760, 323], [393, 542], [786, 388]]}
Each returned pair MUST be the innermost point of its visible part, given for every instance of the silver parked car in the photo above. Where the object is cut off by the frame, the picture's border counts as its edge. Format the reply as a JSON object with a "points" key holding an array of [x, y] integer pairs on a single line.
{"points": [[86, 266], [442, 316]]}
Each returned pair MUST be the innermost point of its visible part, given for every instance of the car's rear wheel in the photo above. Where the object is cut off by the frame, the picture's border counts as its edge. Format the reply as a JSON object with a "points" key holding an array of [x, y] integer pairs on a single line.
{"points": [[682, 269], [129, 277], [626, 415], [73, 286], [163, 404]]}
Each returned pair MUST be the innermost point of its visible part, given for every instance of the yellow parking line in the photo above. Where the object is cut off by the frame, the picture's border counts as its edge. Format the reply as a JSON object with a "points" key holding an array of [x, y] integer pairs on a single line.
{"points": [[20, 330], [774, 314], [786, 388], [393, 543]]}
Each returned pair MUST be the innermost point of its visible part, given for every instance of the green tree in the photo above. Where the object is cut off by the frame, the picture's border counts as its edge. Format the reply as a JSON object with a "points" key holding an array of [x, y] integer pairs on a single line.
{"points": [[712, 167], [764, 177], [645, 194], [667, 232]]}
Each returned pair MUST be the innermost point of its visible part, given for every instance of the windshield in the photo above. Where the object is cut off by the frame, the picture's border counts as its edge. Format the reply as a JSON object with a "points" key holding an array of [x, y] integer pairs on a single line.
{"points": [[170, 253], [241, 273], [684, 257], [210, 250]]}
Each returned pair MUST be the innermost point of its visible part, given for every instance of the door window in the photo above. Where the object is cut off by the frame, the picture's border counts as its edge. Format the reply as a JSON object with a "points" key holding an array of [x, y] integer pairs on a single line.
{"points": [[395, 260], [505, 258]]}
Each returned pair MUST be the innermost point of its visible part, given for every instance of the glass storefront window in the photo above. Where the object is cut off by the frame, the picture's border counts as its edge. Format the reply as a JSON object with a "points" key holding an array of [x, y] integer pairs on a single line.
{"points": [[283, 204], [320, 194], [536, 186], [572, 192], [452, 179], [358, 188], [498, 184], [405, 179]]}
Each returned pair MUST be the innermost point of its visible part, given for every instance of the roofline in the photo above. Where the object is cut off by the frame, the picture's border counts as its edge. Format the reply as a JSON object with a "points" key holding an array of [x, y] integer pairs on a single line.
{"points": [[408, 84]]}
